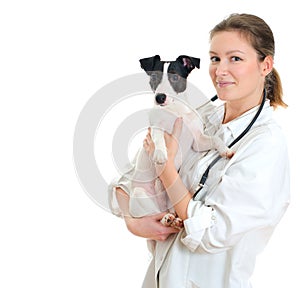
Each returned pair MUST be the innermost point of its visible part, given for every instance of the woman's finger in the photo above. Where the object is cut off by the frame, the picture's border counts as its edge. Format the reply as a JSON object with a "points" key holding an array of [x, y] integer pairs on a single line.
{"points": [[177, 127], [148, 143]]}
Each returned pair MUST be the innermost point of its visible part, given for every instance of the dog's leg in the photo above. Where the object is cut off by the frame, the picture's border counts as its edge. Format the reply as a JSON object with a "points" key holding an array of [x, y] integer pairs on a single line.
{"points": [[220, 146], [142, 203], [204, 142], [160, 155]]}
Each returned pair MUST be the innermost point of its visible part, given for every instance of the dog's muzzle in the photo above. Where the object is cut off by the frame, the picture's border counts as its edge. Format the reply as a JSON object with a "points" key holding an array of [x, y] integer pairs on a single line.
{"points": [[160, 98]]}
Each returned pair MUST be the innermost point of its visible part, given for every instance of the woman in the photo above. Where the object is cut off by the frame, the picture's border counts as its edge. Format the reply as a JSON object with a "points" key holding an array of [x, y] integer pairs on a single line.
{"points": [[230, 220]]}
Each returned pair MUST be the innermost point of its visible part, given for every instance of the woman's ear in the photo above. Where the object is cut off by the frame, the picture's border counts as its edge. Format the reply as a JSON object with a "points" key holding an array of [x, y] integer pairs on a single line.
{"points": [[267, 65]]}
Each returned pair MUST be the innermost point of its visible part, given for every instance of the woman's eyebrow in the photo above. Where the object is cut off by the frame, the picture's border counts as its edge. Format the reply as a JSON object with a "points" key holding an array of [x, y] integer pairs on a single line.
{"points": [[228, 52]]}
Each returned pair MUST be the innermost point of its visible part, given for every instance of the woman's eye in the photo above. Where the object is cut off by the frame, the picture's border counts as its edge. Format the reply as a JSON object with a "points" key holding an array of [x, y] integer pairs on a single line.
{"points": [[235, 59], [214, 59]]}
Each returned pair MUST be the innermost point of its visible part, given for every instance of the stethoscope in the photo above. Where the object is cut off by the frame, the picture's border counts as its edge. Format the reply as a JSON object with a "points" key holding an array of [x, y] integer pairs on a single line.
{"points": [[205, 174]]}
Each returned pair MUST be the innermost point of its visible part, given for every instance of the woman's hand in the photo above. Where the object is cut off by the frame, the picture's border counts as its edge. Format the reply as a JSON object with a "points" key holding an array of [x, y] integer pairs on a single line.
{"points": [[172, 139], [150, 227]]}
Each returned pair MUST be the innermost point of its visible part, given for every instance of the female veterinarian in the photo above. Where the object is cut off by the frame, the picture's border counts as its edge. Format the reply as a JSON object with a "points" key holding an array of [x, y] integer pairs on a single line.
{"points": [[230, 215]]}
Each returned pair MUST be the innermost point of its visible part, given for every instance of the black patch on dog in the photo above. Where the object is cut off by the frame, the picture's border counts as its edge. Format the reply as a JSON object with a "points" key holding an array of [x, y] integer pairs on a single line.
{"points": [[155, 79], [178, 70]]}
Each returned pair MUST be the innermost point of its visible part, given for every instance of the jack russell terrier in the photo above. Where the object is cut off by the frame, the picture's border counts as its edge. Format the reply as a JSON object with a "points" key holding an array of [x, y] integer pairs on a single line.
{"points": [[168, 81]]}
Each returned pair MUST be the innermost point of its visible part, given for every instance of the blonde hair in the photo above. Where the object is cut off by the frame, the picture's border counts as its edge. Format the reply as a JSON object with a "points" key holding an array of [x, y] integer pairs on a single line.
{"points": [[260, 36]]}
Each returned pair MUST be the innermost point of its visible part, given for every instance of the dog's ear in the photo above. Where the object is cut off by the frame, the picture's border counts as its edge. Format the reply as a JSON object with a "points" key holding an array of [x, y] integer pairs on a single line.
{"points": [[148, 64], [189, 62]]}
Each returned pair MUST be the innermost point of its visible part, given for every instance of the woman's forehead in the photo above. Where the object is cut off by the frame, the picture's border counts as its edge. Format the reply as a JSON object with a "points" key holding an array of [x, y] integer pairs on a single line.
{"points": [[229, 42]]}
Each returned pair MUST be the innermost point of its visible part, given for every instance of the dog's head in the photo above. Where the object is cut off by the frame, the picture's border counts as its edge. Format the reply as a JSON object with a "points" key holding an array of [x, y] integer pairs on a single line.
{"points": [[168, 78]]}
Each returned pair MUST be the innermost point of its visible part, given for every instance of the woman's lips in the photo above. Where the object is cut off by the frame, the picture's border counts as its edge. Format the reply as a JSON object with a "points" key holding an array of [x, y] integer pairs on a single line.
{"points": [[223, 84]]}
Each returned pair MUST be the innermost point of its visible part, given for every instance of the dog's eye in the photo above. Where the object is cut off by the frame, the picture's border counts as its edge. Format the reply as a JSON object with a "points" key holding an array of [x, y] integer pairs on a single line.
{"points": [[153, 77], [174, 77]]}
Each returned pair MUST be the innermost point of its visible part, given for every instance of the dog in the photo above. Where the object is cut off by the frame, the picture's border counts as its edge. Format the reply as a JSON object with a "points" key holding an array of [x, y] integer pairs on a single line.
{"points": [[168, 81]]}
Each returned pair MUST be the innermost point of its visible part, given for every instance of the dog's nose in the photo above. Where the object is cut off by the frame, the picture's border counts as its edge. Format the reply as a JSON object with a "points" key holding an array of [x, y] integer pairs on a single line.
{"points": [[160, 98]]}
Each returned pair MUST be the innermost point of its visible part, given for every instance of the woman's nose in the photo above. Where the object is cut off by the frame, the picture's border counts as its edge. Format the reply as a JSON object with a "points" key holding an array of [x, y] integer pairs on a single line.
{"points": [[222, 68]]}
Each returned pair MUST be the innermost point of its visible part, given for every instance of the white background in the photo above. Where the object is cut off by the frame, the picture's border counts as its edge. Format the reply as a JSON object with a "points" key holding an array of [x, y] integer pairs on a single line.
{"points": [[54, 56]]}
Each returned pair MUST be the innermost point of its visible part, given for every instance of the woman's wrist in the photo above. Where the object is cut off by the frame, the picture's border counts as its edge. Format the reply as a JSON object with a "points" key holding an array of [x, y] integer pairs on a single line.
{"points": [[167, 173], [177, 192]]}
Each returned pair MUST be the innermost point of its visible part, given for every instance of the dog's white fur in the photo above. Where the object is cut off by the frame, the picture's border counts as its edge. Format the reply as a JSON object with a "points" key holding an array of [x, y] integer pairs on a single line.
{"points": [[148, 194]]}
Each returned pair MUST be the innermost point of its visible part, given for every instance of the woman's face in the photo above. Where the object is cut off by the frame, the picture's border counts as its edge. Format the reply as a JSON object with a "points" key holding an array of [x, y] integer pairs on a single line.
{"points": [[234, 68]]}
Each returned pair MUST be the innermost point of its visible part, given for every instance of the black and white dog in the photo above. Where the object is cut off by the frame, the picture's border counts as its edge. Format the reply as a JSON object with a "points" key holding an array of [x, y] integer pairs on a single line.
{"points": [[168, 81]]}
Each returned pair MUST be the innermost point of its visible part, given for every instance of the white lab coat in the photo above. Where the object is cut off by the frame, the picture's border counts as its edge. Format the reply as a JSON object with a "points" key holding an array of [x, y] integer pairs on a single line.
{"points": [[243, 200]]}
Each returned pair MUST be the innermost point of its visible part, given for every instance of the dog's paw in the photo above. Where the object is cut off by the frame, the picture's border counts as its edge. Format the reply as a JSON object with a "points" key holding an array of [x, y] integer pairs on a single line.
{"points": [[171, 220], [168, 219], [159, 156], [227, 154], [177, 223]]}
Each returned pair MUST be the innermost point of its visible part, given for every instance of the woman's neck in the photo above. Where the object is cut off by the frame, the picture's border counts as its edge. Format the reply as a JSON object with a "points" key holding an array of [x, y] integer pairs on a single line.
{"points": [[232, 112]]}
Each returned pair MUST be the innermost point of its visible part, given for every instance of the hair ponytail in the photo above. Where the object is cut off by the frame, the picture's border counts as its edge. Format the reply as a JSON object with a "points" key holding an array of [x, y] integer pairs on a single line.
{"points": [[274, 89]]}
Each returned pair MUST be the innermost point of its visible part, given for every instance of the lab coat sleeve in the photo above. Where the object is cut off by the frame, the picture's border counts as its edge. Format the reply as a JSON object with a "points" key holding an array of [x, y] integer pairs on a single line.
{"points": [[195, 226], [252, 193]]}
